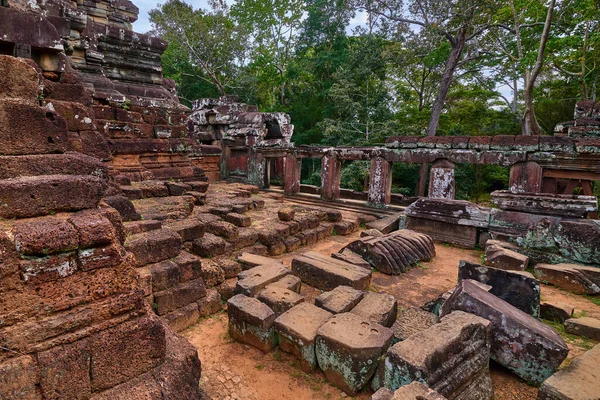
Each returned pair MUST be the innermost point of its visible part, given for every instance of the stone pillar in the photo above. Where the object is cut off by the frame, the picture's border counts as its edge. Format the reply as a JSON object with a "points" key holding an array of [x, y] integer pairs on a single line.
{"points": [[256, 168], [380, 183], [292, 167], [525, 177], [330, 177], [441, 180]]}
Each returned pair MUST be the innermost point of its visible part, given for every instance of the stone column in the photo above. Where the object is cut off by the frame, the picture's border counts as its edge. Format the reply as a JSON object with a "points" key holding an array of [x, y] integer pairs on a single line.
{"points": [[441, 180], [380, 183], [256, 168], [525, 177], [330, 177], [292, 167]]}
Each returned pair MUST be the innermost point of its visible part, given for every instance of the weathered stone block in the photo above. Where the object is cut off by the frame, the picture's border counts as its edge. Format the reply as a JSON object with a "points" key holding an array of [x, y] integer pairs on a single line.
{"points": [[279, 299], [499, 257], [520, 342], [18, 80], [238, 220], [379, 308], [32, 196], [189, 229], [449, 357], [351, 257], [297, 329], [578, 381], [45, 236], [209, 246], [252, 281], [413, 321], [189, 265], [176, 297], [292, 243], [345, 227], [571, 277], [165, 274], [348, 349], [518, 288], [249, 260], [289, 282], [585, 326], [416, 391], [93, 229], [251, 322], [100, 257], [19, 379], [224, 229], [383, 394], [286, 213], [154, 246], [556, 311], [211, 273], [177, 188], [342, 299], [327, 273], [210, 304], [125, 207]]}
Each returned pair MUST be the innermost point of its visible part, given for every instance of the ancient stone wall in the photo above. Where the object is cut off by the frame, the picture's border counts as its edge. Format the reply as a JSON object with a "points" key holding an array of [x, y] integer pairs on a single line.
{"points": [[73, 323]]}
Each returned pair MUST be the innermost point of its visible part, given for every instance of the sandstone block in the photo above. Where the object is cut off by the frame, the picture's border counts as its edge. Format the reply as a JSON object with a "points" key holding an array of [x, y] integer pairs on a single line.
{"points": [[345, 227], [520, 342], [518, 288], [416, 391], [251, 322], [413, 321], [125, 207], [249, 260], [189, 265], [342, 299], [292, 243], [449, 357], [183, 317], [230, 268], [200, 198], [211, 273], [383, 394], [100, 257], [19, 379], [179, 296], [502, 258], [210, 304], [252, 281], [154, 246], [379, 308], [238, 220], [297, 330], [351, 257], [224, 229], [177, 188], [326, 273], [556, 311], [93, 229], [578, 381], [348, 349], [198, 186], [286, 213], [45, 236], [32, 196], [18, 80], [386, 224], [574, 278], [209, 246], [226, 289], [585, 326], [289, 282], [189, 229], [279, 299], [165, 274]]}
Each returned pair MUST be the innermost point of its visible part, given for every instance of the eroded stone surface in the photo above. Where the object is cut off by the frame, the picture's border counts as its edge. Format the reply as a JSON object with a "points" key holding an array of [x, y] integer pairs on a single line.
{"points": [[379, 308], [252, 281], [279, 298], [326, 273], [339, 300], [251, 322], [412, 321]]}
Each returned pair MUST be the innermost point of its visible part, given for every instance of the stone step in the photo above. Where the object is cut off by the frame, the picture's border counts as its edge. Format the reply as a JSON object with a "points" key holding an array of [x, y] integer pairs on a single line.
{"points": [[326, 273], [33, 196]]}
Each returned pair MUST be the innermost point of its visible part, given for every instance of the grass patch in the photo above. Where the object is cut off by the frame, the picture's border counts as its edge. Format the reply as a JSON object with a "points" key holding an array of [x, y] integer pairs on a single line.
{"points": [[593, 299], [277, 356], [579, 341], [260, 367]]}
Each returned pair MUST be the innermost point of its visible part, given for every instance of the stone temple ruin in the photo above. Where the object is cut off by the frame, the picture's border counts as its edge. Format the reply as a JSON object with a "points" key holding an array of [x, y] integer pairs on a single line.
{"points": [[125, 217]]}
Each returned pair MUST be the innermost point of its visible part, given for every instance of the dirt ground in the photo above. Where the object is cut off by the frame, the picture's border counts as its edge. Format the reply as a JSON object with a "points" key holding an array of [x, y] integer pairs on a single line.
{"points": [[233, 370]]}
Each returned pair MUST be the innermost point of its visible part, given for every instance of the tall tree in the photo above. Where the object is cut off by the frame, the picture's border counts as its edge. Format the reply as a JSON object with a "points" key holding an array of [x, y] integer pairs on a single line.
{"points": [[212, 39]]}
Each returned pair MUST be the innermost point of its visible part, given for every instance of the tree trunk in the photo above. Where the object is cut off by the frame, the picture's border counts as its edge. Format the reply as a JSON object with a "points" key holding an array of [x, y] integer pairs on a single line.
{"points": [[530, 125], [458, 44]]}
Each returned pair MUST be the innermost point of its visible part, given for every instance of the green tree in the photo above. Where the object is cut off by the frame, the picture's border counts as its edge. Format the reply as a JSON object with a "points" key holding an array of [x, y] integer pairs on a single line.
{"points": [[213, 41]]}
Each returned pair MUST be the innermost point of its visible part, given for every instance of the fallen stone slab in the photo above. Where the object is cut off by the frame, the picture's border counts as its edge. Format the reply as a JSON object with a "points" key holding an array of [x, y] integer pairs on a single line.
{"points": [[297, 330], [289, 282], [412, 321], [326, 273], [380, 308], [518, 288], [252, 281], [578, 381], [351, 257], [238, 220], [251, 322], [348, 350], [546, 203], [520, 342], [382, 394], [249, 260], [339, 300], [556, 311], [585, 326], [502, 258], [451, 357], [416, 391], [279, 298], [386, 224], [574, 278], [345, 227], [396, 252]]}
